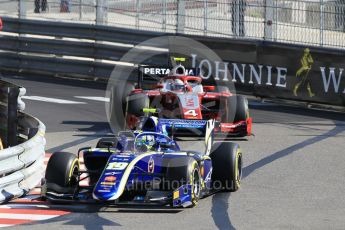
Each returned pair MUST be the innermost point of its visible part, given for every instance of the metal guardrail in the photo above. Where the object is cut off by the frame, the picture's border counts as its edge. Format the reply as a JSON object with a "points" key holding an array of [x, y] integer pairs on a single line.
{"points": [[260, 68], [47, 54], [22, 166], [77, 30]]}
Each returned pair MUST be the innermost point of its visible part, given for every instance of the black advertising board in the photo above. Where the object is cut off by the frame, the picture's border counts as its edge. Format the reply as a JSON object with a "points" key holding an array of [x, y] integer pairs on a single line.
{"points": [[275, 70], [314, 75]]}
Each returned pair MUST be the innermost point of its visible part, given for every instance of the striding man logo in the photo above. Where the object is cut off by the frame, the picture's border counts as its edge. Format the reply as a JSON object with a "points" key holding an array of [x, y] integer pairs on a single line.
{"points": [[302, 74]]}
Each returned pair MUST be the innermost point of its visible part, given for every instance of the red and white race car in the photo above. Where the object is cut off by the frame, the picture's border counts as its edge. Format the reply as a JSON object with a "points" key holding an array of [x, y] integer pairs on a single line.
{"points": [[183, 105]]}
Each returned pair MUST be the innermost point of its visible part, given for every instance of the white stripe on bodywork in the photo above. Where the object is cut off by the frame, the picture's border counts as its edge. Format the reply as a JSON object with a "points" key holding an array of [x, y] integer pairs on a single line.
{"points": [[125, 176], [209, 136]]}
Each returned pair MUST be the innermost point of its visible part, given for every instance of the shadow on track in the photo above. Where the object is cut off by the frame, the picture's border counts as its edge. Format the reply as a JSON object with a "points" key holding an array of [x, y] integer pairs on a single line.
{"points": [[83, 216], [90, 221], [99, 129], [220, 207], [72, 143], [285, 113], [219, 211], [339, 128], [88, 216], [87, 138], [94, 126]]}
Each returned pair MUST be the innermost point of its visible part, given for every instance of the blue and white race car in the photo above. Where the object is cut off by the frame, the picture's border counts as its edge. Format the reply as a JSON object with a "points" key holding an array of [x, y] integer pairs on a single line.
{"points": [[144, 168]]}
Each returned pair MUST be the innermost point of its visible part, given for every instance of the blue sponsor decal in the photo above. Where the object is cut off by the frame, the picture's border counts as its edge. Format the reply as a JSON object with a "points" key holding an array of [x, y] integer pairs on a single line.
{"points": [[179, 123]]}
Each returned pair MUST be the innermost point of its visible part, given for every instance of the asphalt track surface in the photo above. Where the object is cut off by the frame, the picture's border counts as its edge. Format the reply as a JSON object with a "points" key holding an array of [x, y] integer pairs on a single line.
{"points": [[293, 167]]}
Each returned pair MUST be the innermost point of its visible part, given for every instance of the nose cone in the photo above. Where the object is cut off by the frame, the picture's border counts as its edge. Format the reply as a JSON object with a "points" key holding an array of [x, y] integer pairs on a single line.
{"points": [[110, 186], [103, 194]]}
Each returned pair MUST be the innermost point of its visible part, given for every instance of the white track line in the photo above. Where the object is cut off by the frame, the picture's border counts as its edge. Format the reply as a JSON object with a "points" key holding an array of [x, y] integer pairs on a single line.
{"points": [[25, 206], [26, 216], [103, 99], [51, 100]]}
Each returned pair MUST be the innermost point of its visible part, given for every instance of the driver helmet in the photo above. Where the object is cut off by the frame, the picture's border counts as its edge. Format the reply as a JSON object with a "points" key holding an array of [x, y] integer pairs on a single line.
{"points": [[145, 143], [178, 85]]}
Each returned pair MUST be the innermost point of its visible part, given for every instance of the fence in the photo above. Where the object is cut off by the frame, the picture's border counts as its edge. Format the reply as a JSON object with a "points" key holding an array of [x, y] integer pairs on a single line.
{"points": [[312, 22]]}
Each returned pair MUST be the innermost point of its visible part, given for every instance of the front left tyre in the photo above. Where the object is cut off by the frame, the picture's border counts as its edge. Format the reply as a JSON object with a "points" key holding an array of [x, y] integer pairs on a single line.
{"points": [[62, 172]]}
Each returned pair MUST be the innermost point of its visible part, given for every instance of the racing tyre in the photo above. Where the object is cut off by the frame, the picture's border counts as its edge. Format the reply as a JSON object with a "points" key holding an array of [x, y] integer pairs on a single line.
{"points": [[227, 166], [237, 109], [136, 103], [184, 170], [62, 172]]}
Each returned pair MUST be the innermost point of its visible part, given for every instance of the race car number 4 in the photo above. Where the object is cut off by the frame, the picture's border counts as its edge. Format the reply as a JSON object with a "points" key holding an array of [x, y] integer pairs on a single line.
{"points": [[191, 112], [117, 165]]}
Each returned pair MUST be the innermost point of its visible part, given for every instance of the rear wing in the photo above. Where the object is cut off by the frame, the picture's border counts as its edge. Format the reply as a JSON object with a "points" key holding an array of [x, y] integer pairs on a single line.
{"points": [[150, 74], [170, 126], [189, 128], [176, 125], [180, 127]]}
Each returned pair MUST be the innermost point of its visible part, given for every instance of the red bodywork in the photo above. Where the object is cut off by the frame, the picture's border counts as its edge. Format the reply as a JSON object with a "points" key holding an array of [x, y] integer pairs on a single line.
{"points": [[192, 105]]}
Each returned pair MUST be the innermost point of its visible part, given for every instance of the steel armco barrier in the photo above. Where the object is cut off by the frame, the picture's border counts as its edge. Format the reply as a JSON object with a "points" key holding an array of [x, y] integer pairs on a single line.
{"points": [[42, 53], [260, 68], [22, 166]]}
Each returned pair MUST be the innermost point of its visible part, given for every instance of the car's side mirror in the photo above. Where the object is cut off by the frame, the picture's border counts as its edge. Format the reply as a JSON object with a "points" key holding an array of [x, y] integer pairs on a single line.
{"points": [[108, 144]]}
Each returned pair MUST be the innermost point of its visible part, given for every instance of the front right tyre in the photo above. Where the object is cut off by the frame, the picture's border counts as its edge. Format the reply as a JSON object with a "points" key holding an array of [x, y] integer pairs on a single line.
{"points": [[227, 166], [185, 170]]}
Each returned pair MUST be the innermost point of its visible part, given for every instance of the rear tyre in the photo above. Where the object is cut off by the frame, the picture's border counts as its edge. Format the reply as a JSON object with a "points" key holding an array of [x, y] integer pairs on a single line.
{"points": [[62, 172], [184, 170], [237, 109], [227, 166]]}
